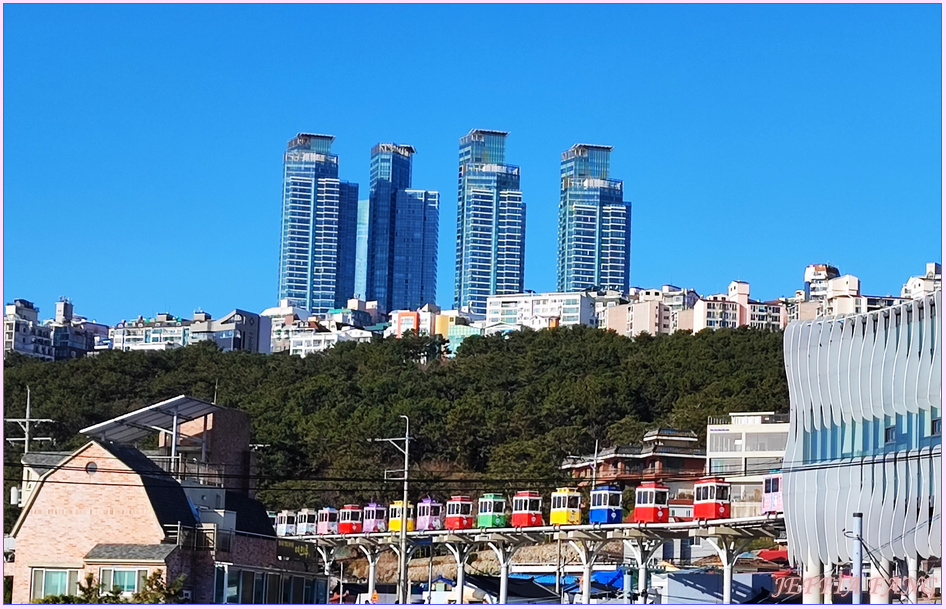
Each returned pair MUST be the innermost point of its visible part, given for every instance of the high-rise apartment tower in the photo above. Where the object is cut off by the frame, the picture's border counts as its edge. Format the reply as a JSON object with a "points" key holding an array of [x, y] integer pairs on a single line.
{"points": [[491, 222], [319, 218], [594, 223], [403, 230]]}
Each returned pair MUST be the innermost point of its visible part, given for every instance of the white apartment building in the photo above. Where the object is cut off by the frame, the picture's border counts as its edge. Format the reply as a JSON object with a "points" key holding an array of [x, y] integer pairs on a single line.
{"points": [[735, 309], [236, 331], [308, 340], [23, 333], [817, 277], [538, 311], [924, 285], [844, 298], [743, 447]]}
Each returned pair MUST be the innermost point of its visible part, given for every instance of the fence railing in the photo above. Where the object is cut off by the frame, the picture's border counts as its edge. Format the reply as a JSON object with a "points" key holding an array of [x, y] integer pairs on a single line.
{"points": [[203, 537], [208, 474]]}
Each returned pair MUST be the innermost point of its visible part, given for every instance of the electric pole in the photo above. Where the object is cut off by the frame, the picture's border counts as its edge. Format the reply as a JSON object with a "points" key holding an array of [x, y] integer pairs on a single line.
{"points": [[403, 591]]}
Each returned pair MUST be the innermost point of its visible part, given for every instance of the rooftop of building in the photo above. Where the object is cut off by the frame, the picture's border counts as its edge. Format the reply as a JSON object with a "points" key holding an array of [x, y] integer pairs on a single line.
{"points": [[402, 149], [487, 132]]}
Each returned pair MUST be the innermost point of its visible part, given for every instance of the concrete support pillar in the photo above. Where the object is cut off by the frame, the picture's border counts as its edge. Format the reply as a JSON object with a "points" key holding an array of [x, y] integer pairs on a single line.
{"points": [[827, 589], [587, 552], [372, 553], [504, 552], [880, 583], [913, 573], [811, 583], [327, 554], [460, 551], [728, 549], [641, 549]]}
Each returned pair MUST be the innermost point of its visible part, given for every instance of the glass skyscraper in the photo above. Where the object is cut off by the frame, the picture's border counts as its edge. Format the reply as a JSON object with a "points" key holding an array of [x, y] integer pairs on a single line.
{"points": [[594, 223], [319, 218], [491, 222], [402, 237], [361, 251]]}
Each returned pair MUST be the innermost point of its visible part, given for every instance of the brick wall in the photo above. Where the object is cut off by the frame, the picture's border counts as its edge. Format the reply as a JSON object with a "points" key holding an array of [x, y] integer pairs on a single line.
{"points": [[72, 512]]}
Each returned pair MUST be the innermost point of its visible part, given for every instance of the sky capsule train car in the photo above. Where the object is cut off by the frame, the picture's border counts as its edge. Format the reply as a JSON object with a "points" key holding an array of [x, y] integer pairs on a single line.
{"points": [[772, 494], [605, 505], [566, 506], [328, 521], [306, 521], [652, 503], [349, 519], [429, 515], [459, 513], [375, 518], [285, 523], [492, 512], [711, 499], [527, 509], [396, 515]]}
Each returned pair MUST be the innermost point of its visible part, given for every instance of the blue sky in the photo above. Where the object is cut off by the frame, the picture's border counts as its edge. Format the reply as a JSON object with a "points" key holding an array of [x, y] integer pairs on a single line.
{"points": [[143, 143]]}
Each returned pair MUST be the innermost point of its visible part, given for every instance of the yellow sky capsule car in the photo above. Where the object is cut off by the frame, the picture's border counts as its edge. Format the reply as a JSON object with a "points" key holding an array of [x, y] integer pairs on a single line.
{"points": [[566, 506], [394, 516]]}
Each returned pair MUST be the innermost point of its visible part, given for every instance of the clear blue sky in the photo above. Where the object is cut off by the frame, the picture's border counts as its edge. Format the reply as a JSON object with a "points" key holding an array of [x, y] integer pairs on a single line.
{"points": [[143, 144]]}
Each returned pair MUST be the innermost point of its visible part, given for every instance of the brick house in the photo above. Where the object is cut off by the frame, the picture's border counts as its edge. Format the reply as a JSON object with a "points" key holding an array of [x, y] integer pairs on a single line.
{"points": [[110, 510]]}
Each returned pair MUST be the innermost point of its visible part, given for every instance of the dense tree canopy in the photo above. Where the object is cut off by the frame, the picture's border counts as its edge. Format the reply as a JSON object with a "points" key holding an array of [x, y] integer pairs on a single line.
{"points": [[499, 416]]}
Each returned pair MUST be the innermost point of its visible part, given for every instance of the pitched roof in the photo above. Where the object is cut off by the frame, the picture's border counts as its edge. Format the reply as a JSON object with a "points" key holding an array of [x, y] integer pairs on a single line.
{"points": [[157, 552], [166, 494], [251, 516], [43, 461]]}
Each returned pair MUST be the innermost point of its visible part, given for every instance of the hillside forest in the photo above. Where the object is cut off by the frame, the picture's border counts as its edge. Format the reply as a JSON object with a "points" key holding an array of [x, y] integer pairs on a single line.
{"points": [[498, 417]]}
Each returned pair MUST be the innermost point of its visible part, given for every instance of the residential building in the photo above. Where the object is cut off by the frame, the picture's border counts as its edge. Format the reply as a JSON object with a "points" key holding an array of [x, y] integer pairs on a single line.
{"points": [[594, 223], [403, 231], [454, 317], [865, 437], [23, 333], [545, 310], [319, 227], [736, 309], [109, 510], [923, 285], [655, 311], [663, 455], [491, 222], [361, 249], [238, 330], [423, 321], [744, 447], [313, 336], [72, 335], [843, 297], [604, 300], [280, 317], [817, 277]]}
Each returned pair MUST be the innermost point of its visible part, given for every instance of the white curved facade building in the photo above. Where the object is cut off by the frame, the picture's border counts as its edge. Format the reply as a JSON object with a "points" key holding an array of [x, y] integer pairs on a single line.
{"points": [[865, 436]]}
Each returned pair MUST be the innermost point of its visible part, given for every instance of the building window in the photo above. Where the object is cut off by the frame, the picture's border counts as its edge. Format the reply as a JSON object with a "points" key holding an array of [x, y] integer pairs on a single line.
{"points": [[936, 428], [48, 582], [127, 581], [890, 434]]}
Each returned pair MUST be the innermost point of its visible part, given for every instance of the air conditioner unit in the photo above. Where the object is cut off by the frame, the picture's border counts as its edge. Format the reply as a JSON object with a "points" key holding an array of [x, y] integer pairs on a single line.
{"points": [[186, 595]]}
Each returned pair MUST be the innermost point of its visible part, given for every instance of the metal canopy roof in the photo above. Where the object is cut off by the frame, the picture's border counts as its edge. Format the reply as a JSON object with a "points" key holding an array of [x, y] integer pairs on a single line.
{"points": [[158, 417]]}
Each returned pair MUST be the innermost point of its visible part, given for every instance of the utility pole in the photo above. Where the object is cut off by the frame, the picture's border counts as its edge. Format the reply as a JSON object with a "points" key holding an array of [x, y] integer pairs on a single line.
{"points": [[594, 468], [25, 426], [403, 592]]}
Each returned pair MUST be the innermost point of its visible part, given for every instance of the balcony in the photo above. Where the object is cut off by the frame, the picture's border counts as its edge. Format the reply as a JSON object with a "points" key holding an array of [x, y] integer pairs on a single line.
{"points": [[764, 419], [205, 536], [182, 469]]}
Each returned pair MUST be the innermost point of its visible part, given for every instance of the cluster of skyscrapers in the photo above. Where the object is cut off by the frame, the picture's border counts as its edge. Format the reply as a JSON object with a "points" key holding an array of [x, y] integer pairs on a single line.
{"points": [[384, 249]]}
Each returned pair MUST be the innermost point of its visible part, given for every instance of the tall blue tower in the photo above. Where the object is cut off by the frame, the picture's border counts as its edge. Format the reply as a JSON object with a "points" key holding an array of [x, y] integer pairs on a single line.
{"points": [[594, 223], [491, 222], [319, 224], [402, 237]]}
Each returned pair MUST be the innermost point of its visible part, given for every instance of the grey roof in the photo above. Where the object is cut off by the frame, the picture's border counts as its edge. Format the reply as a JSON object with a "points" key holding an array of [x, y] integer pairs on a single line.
{"points": [[44, 461], [145, 421], [167, 497], [251, 516], [130, 551]]}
